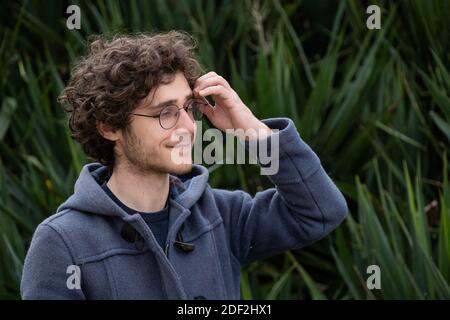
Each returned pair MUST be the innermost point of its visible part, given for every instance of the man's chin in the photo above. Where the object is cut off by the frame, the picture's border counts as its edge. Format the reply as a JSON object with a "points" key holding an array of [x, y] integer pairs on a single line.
{"points": [[179, 169]]}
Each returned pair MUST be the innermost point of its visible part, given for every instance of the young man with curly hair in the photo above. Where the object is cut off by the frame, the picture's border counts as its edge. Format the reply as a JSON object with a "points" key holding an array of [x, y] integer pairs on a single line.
{"points": [[140, 225]]}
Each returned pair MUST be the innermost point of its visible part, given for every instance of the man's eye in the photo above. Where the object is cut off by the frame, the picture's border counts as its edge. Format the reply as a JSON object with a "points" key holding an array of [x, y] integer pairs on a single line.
{"points": [[165, 114], [195, 104]]}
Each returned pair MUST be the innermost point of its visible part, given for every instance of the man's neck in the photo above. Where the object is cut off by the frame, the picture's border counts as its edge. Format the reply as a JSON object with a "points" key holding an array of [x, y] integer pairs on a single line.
{"points": [[142, 192]]}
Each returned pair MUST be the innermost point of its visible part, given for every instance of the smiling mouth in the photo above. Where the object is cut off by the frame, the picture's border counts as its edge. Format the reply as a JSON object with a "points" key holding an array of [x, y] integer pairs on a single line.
{"points": [[181, 141], [180, 145]]}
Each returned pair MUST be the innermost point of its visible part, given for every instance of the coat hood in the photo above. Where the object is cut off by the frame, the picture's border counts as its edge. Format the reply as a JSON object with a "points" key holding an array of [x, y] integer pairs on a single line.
{"points": [[89, 196]]}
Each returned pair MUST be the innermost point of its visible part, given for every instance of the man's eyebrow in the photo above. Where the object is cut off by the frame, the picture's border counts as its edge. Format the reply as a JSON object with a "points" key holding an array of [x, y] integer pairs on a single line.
{"points": [[171, 101]]}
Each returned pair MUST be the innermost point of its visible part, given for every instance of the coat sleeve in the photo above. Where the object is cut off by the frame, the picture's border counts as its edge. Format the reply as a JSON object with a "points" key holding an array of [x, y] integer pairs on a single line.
{"points": [[44, 275], [303, 206]]}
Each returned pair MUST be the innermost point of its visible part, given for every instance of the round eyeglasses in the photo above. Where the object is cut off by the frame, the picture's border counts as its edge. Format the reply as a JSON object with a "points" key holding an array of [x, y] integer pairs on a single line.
{"points": [[169, 115]]}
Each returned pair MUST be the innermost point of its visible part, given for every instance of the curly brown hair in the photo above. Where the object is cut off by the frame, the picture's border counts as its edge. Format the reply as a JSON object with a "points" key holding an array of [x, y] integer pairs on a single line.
{"points": [[108, 83]]}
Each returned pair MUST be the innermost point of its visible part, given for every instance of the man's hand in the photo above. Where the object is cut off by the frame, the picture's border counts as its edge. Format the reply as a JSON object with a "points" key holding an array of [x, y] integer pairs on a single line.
{"points": [[230, 112]]}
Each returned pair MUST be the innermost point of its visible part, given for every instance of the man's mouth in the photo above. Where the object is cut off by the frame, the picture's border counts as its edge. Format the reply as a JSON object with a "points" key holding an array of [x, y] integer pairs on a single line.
{"points": [[184, 145], [184, 141], [180, 145]]}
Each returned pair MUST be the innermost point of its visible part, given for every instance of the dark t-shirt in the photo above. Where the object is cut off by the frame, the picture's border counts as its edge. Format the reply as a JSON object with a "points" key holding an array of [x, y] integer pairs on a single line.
{"points": [[157, 221]]}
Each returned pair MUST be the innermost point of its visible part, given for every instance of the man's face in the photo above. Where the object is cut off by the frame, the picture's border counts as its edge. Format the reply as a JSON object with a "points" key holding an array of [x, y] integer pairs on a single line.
{"points": [[146, 147]]}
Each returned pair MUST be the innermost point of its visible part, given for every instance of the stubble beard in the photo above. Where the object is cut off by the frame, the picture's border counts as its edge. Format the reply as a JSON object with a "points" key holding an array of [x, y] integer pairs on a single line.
{"points": [[142, 160]]}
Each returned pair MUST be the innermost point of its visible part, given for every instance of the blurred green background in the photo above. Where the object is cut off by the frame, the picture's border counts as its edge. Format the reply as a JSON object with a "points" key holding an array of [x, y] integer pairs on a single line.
{"points": [[373, 104]]}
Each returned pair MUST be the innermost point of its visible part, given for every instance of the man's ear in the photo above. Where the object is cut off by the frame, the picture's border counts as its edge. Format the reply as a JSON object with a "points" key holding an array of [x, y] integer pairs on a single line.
{"points": [[107, 132]]}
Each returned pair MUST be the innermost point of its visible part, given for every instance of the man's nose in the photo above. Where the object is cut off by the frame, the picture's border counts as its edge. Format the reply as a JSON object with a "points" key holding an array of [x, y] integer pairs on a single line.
{"points": [[186, 122]]}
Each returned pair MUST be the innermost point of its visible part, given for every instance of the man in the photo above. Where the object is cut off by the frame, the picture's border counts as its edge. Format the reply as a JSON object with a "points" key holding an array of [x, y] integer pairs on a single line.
{"points": [[141, 225]]}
